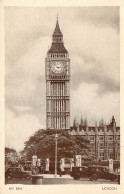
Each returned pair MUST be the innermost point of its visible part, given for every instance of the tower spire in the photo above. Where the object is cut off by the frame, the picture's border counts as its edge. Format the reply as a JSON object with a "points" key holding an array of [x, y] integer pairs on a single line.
{"points": [[57, 43], [57, 31]]}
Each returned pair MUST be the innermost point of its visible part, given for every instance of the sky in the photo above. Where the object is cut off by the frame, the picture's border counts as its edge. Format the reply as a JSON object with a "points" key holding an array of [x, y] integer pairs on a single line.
{"points": [[91, 36]]}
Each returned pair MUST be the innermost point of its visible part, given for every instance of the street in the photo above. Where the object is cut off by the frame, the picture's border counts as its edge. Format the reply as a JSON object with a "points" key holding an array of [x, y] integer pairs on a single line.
{"points": [[60, 180]]}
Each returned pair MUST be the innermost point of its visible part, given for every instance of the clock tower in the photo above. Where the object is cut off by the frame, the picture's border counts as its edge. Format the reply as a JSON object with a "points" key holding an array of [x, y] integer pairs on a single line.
{"points": [[57, 71]]}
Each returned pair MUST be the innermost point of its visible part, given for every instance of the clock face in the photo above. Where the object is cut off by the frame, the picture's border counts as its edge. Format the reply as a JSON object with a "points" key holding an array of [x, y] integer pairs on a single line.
{"points": [[57, 66]]}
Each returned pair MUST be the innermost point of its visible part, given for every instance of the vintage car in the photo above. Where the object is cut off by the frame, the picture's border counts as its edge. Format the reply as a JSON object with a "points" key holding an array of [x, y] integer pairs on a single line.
{"points": [[94, 173], [17, 172], [79, 172], [102, 172]]}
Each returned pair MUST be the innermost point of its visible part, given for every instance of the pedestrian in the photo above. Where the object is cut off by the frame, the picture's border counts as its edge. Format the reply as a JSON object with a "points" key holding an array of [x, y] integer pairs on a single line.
{"points": [[22, 168], [60, 172], [37, 170], [61, 167], [33, 171]]}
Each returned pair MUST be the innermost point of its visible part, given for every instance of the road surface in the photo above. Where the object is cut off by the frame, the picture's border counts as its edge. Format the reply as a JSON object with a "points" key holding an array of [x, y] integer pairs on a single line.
{"points": [[60, 180]]}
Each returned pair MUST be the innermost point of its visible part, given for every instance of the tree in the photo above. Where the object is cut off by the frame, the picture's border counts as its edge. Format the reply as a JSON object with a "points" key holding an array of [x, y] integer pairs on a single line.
{"points": [[42, 143], [9, 150], [10, 155]]}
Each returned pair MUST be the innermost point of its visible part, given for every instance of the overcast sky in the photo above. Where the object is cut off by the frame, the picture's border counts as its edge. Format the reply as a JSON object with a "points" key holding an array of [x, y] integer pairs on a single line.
{"points": [[91, 36]]}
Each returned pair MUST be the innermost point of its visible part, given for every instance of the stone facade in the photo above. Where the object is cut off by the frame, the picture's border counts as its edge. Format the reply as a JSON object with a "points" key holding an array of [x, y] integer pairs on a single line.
{"points": [[104, 139]]}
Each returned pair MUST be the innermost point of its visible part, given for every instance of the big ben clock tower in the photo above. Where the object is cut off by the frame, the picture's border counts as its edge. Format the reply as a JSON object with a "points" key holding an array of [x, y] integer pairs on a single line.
{"points": [[57, 83]]}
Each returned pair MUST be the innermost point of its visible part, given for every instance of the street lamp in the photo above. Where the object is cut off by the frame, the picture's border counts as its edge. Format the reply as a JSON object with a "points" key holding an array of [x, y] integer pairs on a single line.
{"points": [[56, 136]]}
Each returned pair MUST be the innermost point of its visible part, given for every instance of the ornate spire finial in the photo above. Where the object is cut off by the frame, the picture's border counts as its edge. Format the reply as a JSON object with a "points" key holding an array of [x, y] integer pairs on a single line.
{"points": [[74, 122], [81, 122], [57, 16]]}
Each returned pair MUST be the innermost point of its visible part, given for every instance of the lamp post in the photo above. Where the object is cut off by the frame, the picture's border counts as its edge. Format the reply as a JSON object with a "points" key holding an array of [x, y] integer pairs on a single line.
{"points": [[56, 136]]}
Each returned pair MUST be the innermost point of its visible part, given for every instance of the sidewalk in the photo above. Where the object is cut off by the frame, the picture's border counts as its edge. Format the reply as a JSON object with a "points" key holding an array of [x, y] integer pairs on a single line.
{"points": [[58, 176], [49, 179]]}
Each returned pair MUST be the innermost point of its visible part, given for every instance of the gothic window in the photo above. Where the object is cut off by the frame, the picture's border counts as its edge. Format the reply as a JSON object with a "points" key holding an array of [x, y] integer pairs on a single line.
{"points": [[101, 137], [117, 137], [110, 137], [92, 145], [48, 122], [101, 145], [48, 89], [101, 155], [56, 106], [111, 156], [48, 105], [92, 138], [118, 144], [110, 145], [106, 145], [118, 156], [62, 122]]}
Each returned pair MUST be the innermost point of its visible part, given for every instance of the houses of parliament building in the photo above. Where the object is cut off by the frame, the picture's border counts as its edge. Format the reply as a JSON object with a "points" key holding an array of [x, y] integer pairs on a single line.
{"points": [[104, 139]]}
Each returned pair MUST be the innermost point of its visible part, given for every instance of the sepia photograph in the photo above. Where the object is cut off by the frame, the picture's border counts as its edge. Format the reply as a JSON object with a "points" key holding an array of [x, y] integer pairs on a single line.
{"points": [[62, 95]]}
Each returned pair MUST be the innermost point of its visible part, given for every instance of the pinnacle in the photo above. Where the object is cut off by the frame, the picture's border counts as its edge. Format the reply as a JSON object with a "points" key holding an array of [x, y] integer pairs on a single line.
{"points": [[57, 30]]}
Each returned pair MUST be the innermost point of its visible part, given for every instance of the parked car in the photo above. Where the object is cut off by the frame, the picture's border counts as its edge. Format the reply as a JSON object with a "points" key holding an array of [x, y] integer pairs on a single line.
{"points": [[102, 172], [94, 173], [17, 172], [79, 172]]}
